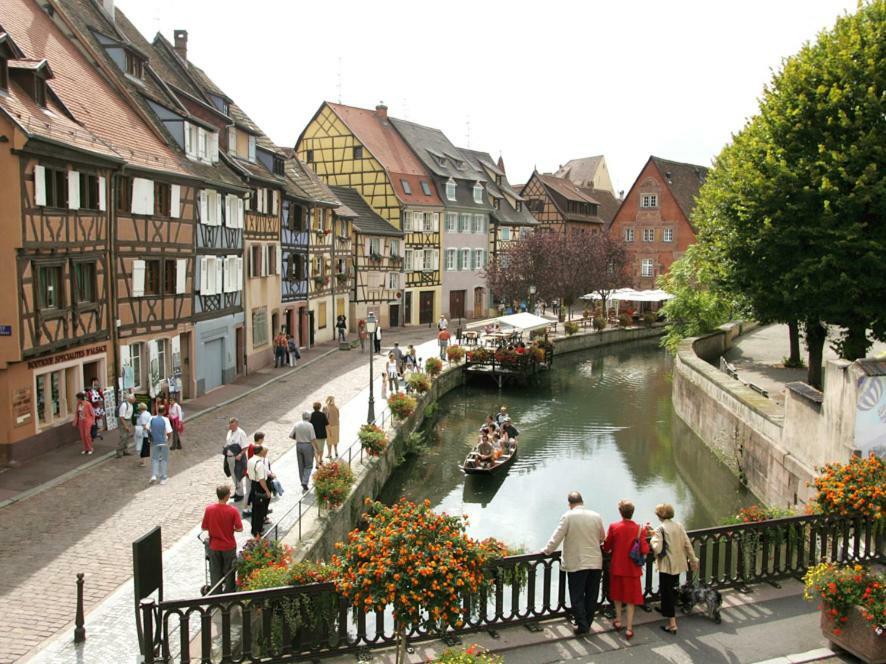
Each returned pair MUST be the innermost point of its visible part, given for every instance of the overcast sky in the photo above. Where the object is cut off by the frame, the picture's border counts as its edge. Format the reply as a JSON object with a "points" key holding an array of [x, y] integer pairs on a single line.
{"points": [[538, 82]]}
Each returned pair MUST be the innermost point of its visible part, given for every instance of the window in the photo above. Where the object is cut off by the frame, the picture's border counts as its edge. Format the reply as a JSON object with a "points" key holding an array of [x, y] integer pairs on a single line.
{"points": [[648, 235], [505, 234], [465, 262], [40, 92], [375, 247], [158, 366], [406, 221], [451, 259], [408, 260], [233, 211], [358, 154], [232, 140], [394, 281], [200, 144], [430, 260], [210, 207], [134, 353], [50, 289], [403, 183], [170, 276], [479, 256], [425, 188], [629, 234], [535, 205], [124, 193], [279, 167], [89, 192], [251, 155], [162, 199], [255, 261], [152, 277], [478, 193], [395, 247], [321, 315], [478, 223], [309, 156], [260, 327], [429, 225], [649, 201], [667, 235], [272, 259], [55, 187], [464, 221], [450, 190], [451, 221], [646, 267], [134, 65], [84, 282]]}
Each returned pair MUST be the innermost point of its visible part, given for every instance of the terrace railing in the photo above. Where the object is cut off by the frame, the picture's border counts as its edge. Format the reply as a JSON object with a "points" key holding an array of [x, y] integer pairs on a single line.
{"points": [[292, 623]]}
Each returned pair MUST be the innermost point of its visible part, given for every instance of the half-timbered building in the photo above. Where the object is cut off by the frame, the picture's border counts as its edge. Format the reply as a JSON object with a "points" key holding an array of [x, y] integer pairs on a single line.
{"points": [[360, 149], [559, 205], [377, 280], [653, 221]]}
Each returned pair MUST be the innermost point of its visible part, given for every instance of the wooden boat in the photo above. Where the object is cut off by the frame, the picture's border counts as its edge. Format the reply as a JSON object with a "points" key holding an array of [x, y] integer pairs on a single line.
{"points": [[471, 464]]}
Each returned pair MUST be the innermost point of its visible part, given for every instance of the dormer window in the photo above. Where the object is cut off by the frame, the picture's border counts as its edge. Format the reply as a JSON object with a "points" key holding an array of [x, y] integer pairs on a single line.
{"points": [[251, 156], [406, 188], [450, 189], [135, 66], [478, 193], [649, 201], [425, 188], [278, 166], [40, 92], [200, 144], [220, 103]]}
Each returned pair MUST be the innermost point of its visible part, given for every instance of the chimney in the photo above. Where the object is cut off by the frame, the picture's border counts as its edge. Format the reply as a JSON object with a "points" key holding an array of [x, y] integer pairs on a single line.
{"points": [[181, 43], [108, 6], [381, 110]]}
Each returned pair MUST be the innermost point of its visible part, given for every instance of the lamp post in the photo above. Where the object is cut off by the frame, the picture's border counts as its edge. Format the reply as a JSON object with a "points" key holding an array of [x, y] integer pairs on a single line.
{"points": [[532, 299], [371, 327]]}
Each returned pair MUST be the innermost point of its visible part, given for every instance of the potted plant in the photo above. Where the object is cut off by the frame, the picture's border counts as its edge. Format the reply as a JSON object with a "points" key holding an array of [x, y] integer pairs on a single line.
{"points": [[455, 354], [649, 318], [852, 600], [624, 320], [372, 439], [854, 489], [479, 355], [332, 483], [472, 654], [342, 277], [419, 382], [260, 553], [433, 366], [401, 405], [570, 327], [599, 323]]}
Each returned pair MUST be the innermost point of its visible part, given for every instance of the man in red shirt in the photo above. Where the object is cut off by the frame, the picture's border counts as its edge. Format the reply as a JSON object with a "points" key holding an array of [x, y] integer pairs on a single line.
{"points": [[221, 521]]}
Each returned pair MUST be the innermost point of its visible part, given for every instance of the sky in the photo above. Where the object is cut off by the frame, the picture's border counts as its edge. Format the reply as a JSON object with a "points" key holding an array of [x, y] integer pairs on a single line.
{"points": [[538, 83]]}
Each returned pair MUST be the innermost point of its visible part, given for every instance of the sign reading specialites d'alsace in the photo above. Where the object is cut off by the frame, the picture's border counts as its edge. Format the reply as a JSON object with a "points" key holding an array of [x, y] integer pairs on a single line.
{"points": [[65, 357]]}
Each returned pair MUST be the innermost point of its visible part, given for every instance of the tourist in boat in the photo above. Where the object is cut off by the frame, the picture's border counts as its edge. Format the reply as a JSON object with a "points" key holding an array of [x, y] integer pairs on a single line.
{"points": [[509, 428], [490, 423], [502, 414], [497, 446], [485, 452], [673, 556], [624, 574]]}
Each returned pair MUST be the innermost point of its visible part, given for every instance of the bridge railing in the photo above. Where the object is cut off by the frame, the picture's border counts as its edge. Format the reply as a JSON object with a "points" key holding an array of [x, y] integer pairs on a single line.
{"points": [[292, 623]]}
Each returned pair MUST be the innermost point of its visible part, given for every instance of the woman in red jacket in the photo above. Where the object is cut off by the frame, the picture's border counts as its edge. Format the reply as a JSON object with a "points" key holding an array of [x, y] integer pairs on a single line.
{"points": [[624, 573], [84, 418]]}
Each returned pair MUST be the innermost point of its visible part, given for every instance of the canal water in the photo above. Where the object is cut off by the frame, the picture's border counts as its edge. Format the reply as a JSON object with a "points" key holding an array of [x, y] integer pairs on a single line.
{"points": [[600, 422]]}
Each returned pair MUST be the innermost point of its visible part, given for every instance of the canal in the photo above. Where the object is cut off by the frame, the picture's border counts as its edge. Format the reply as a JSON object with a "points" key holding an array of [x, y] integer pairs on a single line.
{"points": [[601, 422]]}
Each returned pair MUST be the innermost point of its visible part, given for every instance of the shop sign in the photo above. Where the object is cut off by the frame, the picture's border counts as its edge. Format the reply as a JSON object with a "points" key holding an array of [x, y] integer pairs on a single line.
{"points": [[22, 404], [65, 357]]}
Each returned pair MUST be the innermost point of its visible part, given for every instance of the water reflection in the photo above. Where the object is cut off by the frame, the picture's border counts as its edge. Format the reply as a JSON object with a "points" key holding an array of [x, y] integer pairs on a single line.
{"points": [[601, 423]]}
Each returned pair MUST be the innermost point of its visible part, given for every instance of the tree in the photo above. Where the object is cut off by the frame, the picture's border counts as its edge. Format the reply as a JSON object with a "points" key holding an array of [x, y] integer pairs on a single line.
{"points": [[605, 266]]}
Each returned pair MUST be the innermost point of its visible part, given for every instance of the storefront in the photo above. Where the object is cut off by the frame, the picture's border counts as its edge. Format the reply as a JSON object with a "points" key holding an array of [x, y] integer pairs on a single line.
{"points": [[151, 365]]}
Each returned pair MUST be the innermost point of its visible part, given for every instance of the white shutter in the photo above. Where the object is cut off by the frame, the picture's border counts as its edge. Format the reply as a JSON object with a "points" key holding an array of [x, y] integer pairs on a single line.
{"points": [[239, 276], [73, 190], [204, 276], [436, 258], [239, 212], [138, 278], [204, 206], [264, 260], [39, 185], [368, 246], [187, 128], [408, 260], [275, 205], [279, 253], [175, 201], [102, 200], [181, 275], [227, 279], [142, 196], [218, 208], [407, 222], [229, 212], [213, 147], [219, 276], [436, 222]]}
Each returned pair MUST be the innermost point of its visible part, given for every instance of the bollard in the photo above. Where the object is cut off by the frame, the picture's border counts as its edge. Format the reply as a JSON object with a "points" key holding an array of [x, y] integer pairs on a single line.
{"points": [[79, 629]]}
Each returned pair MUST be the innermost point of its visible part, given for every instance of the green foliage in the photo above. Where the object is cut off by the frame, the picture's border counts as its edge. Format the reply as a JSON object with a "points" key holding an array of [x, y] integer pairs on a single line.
{"points": [[260, 554], [649, 319], [372, 439], [434, 366], [624, 320], [455, 354], [473, 654], [419, 382], [414, 443], [599, 323], [401, 405], [570, 327]]}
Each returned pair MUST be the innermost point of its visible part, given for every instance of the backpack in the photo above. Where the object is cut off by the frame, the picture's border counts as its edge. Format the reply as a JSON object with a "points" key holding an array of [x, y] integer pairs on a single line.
{"points": [[636, 553]]}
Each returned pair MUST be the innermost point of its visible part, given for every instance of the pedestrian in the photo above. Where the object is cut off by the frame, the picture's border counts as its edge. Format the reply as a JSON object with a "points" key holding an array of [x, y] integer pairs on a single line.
{"points": [[442, 324], [303, 434], [124, 426], [624, 573], [399, 356], [142, 435], [320, 422], [443, 342], [261, 491], [341, 325], [177, 420], [280, 348], [235, 455], [361, 334], [96, 397], [411, 353], [378, 339], [674, 555], [160, 429], [391, 371], [84, 419], [294, 355], [581, 531], [221, 521], [332, 419]]}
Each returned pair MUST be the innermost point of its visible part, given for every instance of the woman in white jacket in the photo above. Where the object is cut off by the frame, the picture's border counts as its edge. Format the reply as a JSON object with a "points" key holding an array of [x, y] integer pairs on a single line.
{"points": [[674, 556]]}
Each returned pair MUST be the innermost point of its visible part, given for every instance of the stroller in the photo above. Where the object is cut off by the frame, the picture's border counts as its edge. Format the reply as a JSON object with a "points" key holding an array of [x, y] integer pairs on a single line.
{"points": [[204, 589]]}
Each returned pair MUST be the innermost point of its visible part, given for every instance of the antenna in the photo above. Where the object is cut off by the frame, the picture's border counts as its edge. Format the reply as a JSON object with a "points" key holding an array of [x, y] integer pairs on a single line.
{"points": [[338, 83]]}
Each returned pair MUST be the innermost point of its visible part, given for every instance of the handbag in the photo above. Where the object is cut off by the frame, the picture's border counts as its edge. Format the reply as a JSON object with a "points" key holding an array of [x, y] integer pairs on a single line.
{"points": [[664, 545], [636, 554]]}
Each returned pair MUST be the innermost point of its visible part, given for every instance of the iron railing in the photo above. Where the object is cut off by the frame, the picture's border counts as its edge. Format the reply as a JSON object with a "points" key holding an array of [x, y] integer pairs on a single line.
{"points": [[291, 623]]}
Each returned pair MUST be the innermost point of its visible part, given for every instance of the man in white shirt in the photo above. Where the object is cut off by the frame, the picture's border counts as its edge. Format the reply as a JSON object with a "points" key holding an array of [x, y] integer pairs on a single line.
{"points": [[304, 435], [124, 427], [261, 491], [582, 560], [235, 455]]}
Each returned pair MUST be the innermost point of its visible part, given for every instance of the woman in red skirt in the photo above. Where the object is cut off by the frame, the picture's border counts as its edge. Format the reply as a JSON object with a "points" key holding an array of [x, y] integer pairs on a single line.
{"points": [[624, 573]]}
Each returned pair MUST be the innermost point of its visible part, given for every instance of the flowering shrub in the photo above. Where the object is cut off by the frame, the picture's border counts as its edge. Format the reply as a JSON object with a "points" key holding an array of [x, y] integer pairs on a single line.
{"points": [[507, 357], [434, 366], [840, 588], [758, 513], [421, 563], [624, 320], [599, 323], [538, 354], [260, 554], [401, 405], [570, 327], [273, 576], [332, 483], [372, 439], [419, 382], [479, 355], [856, 489], [308, 571], [455, 354], [473, 654]]}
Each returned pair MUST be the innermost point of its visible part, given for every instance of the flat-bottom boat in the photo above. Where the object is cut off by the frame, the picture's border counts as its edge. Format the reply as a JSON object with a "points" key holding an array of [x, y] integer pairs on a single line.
{"points": [[473, 466]]}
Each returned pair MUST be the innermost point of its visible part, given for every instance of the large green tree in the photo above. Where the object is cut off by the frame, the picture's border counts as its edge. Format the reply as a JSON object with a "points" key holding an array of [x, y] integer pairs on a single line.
{"points": [[794, 206]]}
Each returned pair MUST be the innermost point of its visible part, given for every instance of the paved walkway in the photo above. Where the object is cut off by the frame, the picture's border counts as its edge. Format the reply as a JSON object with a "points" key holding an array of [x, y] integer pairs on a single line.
{"points": [[87, 522]]}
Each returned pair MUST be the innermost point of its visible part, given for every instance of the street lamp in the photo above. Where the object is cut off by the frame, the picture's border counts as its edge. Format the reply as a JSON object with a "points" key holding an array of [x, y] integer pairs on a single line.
{"points": [[531, 299], [371, 327]]}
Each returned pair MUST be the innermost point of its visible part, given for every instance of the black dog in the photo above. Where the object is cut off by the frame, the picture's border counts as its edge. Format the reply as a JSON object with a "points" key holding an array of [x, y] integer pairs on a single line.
{"points": [[692, 595]]}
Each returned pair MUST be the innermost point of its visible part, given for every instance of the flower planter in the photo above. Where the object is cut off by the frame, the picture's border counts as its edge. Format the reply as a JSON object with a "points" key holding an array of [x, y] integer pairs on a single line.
{"points": [[856, 636]]}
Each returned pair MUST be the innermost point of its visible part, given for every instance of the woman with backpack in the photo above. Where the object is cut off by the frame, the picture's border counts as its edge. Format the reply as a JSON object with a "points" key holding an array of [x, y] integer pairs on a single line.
{"points": [[674, 556], [627, 542]]}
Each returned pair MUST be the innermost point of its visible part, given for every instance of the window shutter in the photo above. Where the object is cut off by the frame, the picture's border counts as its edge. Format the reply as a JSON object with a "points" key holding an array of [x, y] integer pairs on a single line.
{"points": [[278, 251], [203, 206], [203, 275], [436, 226], [39, 185], [220, 275], [238, 262], [276, 202], [218, 208], [407, 222], [239, 212], [187, 128], [407, 262], [73, 190], [368, 246], [213, 147], [181, 275], [102, 199], [457, 259], [175, 201], [138, 278], [264, 261]]}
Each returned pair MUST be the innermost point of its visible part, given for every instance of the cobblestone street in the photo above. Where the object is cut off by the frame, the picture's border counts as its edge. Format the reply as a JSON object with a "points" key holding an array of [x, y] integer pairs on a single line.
{"points": [[87, 524]]}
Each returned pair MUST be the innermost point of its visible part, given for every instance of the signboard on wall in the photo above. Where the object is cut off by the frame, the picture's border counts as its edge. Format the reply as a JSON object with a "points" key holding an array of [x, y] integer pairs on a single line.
{"points": [[22, 405], [110, 408], [870, 416]]}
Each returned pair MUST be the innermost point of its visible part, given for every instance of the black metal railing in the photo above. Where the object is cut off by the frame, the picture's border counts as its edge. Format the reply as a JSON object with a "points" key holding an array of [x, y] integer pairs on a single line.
{"points": [[290, 623]]}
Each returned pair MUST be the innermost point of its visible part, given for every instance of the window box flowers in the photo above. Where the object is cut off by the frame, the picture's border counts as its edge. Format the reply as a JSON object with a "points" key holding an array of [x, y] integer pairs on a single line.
{"points": [[419, 382], [401, 405], [455, 354], [433, 366], [855, 489], [372, 439], [480, 355], [332, 483]]}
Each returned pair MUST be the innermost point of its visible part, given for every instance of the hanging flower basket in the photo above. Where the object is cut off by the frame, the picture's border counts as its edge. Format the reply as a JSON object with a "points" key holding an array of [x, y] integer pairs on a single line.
{"points": [[372, 439]]}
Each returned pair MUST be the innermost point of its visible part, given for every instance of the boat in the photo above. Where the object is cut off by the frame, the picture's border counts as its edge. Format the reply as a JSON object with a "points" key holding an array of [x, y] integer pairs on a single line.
{"points": [[472, 467]]}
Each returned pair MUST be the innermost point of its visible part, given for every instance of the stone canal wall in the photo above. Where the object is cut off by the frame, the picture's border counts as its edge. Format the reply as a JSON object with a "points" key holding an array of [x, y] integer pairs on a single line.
{"points": [[319, 536]]}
